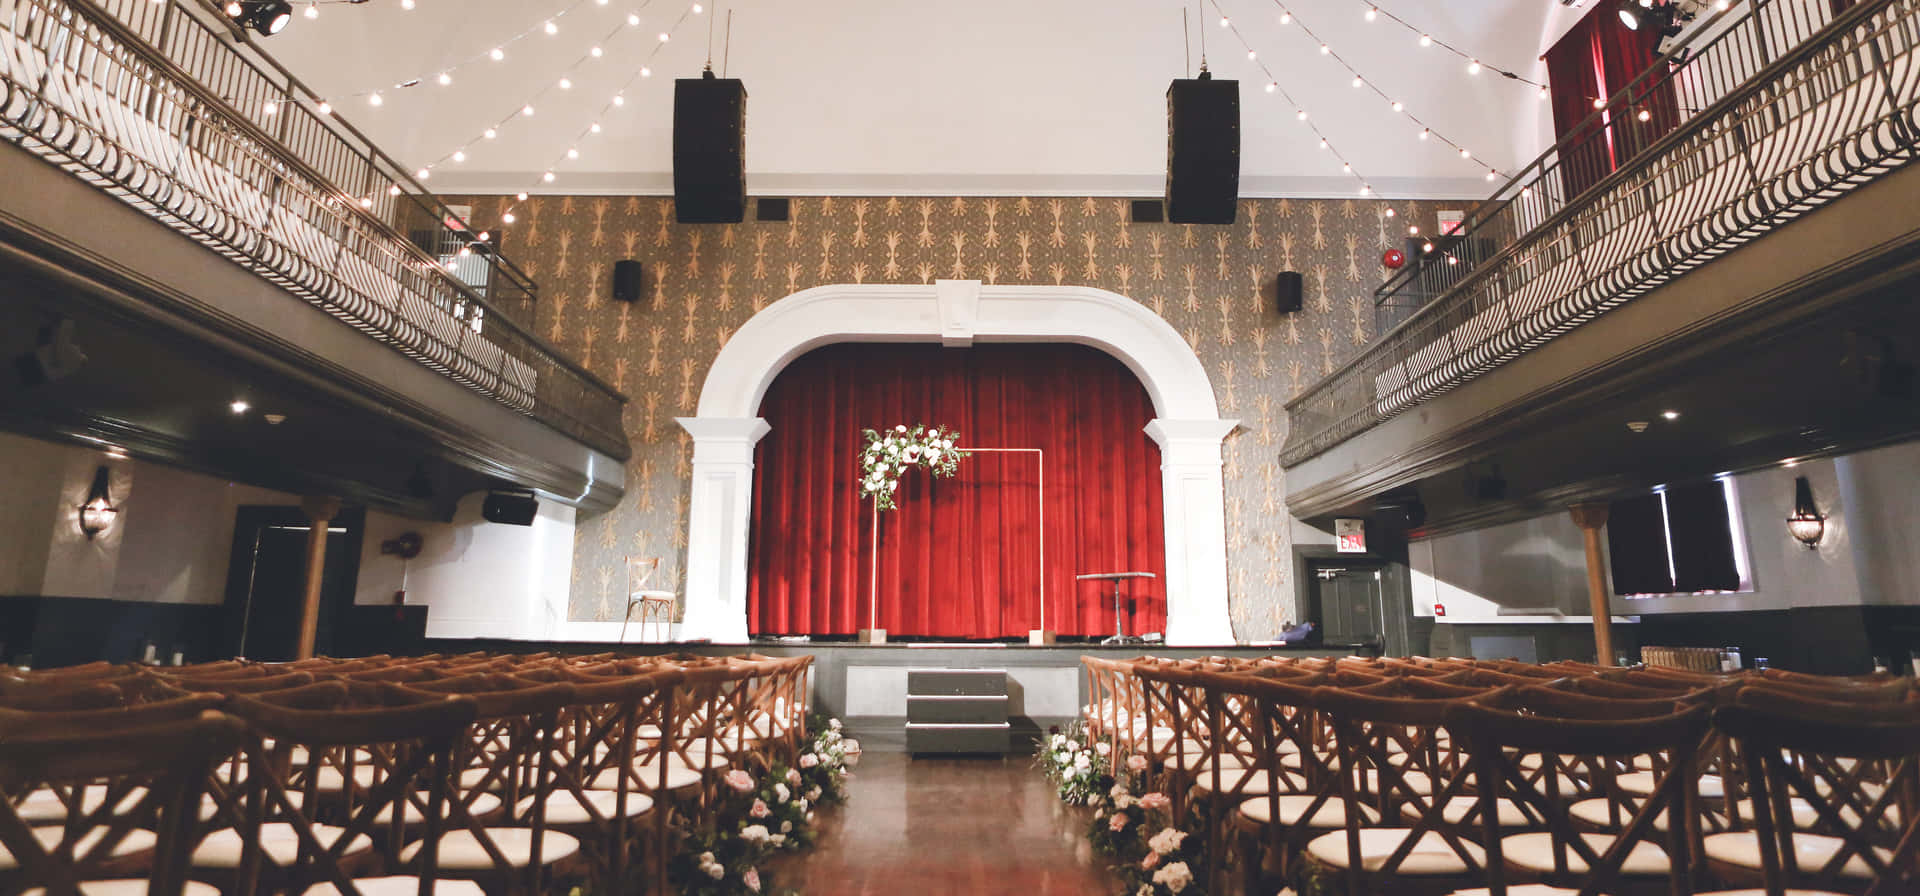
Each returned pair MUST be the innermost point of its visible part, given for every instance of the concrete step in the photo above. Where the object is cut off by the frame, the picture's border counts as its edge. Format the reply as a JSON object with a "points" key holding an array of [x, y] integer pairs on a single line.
{"points": [[956, 682], [957, 708], [957, 738]]}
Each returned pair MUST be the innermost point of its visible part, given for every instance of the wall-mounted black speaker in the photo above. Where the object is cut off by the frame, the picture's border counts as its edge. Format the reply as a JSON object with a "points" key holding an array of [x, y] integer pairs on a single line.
{"points": [[710, 150], [512, 508], [628, 281], [1148, 211], [772, 209], [1203, 150], [54, 355], [1290, 292]]}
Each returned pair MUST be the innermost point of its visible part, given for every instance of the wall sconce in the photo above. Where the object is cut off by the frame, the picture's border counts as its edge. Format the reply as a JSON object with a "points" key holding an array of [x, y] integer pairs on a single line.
{"points": [[98, 513], [1806, 524]]}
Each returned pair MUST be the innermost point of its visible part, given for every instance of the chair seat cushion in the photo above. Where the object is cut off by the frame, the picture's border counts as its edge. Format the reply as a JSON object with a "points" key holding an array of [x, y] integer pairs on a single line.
{"points": [[461, 851], [564, 807], [1431, 854], [679, 777], [1247, 781], [480, 806], [1293, 812], [1811, 852], [1455, 811], [1534, 852], [400, 885], [279, 843], [1598, 812], [1712, 787], [135, 841], [44, 806], [131, 888]]}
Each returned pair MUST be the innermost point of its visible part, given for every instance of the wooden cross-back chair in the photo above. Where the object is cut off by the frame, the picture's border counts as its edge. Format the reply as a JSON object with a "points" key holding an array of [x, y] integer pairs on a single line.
{"points": [[1653, 847], [655, 605], [327, 777], [1297, 742], [1855, 768], [1429, 854], [503, 780], [105, 798]]}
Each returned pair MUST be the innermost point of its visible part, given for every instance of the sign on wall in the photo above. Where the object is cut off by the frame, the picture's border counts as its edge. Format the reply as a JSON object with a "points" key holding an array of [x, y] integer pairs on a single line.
{"points": [[1350, 536]]}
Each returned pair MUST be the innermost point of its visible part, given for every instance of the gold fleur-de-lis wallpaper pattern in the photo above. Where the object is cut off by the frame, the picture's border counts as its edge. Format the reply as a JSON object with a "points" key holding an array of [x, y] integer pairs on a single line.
{"points": [[1214, 284]]}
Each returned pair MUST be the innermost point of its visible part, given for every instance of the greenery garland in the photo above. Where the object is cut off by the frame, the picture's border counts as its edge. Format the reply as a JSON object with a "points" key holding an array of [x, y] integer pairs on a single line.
{"points": [[1153, 856]]}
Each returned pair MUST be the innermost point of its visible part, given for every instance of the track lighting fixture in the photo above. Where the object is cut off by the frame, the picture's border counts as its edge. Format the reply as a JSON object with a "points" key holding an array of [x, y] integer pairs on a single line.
{"points": [[267, 17]]}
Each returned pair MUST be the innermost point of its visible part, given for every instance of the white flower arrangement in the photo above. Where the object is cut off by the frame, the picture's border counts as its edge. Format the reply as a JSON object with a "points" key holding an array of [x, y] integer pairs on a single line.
{"points": [[891, 453]]}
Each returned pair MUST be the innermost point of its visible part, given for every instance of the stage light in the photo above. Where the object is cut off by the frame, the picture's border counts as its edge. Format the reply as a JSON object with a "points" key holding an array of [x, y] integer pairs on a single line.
{"points": [[98, 512], [267, 17]]}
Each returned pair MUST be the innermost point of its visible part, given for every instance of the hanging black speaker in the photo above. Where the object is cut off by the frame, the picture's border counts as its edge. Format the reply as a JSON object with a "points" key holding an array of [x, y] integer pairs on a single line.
{"points": [[1203, 150], [1290, 292], [709, 150], [627, 281], [511, 508]]}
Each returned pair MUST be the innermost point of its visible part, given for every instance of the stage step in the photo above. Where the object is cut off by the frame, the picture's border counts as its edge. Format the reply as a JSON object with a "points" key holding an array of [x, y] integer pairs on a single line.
{"points": [[956, 682], [958, 711]]}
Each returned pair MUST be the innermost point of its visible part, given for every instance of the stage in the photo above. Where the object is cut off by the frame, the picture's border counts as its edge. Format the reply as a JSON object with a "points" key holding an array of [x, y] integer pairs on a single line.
{"points": [[866, 684]]}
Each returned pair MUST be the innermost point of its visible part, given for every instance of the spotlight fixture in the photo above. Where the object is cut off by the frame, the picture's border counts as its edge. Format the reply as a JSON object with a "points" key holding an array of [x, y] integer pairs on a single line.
{"points": [[238, 406], [1661, 17], [1807, 523], [98, 512], [267, 17], [1670, 415]]}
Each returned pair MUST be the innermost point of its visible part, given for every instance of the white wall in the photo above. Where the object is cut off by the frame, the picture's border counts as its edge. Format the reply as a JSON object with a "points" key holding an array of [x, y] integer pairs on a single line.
{"points": [[1871, 500], [170, 542], [480, 579]]}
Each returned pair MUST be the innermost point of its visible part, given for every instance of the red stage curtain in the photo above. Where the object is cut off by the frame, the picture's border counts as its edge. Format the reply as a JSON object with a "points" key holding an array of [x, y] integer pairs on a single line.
{"points": [[959, 557], [1597, 58]]}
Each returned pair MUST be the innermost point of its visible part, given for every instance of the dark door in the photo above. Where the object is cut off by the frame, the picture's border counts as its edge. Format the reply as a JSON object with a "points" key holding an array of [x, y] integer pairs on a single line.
{"points": [[1348, 605], [266, 580]]}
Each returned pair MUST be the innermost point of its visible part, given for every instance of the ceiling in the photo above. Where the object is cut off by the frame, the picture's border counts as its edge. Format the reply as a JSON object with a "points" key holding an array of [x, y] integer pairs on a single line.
{"points": [[912, 96]]}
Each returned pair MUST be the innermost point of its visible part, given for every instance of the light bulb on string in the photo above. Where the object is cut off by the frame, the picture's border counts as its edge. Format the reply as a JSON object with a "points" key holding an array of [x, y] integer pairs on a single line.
{"points": [[366, 202], [269, 109], [1426, 40], [698, 9], [596, 52], [573, 154], [526, 111], [406, 4], [521, 196], [1366, 189], [1491, 174], [1473, 68], [594, 128], [1224, 21], [664, 37], [459, 155], [1599, 103], [1346, 168], [1645, 115], [313, 11], [1357, 82], [1464, 154], [1543, 93], [1372, 13], [566, 83], [547, 177], [1424, 133], [1390, 211], [646, 72], [1413, 230], [1323, 143], [1251, 54], [393, 190], [506, 218], [619, 100], [1286, 18], [551, 28], [1325, 50], [1397, 107], [1272, 86], [422, 174], [325, 108], [375, 99], [633, 18], [490, 133], [496, 54], [1302, 115], [445, 79]]}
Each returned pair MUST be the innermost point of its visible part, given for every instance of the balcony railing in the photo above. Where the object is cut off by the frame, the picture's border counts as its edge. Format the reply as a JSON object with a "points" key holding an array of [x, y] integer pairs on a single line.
{"points": [[157, 103], [1792, 106]]}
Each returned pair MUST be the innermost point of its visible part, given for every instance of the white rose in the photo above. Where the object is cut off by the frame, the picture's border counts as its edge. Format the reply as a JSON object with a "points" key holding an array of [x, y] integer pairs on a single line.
{"points": [[833, 724], [786, 827], [900, 428], [1167, 841], [1145, 890], [778, 839], [781, 792], [1174, 877], [813, 795], [1103, 748], [714, 871], [754, 833], [706, 858], [1080, 761]]}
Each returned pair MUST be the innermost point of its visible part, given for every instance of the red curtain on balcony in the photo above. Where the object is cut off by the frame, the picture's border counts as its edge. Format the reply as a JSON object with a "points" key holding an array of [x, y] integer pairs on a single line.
{"points": [[960, 557], [1596, 59]]}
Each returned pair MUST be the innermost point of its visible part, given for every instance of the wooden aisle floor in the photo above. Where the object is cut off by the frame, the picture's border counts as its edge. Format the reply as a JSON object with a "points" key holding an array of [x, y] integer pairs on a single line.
{"points": [[939, 826]]}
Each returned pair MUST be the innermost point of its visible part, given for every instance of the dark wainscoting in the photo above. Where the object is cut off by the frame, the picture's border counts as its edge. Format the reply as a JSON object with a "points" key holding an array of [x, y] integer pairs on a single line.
{"points": [[66, 631], [1538, 642], [1818, 640]]}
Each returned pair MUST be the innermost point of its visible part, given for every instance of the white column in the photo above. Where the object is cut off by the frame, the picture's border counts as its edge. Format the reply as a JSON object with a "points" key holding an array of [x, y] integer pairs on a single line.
{"points": [[1196, 529], [717, 521]]}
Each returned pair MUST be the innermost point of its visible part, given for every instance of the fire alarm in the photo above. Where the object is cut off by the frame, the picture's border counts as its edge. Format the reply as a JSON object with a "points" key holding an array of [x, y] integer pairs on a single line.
{"points": [[1393, 259], [1439, 609]]}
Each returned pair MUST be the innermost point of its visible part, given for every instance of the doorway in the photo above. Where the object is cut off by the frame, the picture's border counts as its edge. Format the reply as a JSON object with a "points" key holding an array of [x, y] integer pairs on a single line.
{"points": [[266, 580], [1346, 600]]}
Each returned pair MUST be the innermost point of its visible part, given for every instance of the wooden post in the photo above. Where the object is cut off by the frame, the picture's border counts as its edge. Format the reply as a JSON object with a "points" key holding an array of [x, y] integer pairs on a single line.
{"points": [[1590, 517], [320, 511]]}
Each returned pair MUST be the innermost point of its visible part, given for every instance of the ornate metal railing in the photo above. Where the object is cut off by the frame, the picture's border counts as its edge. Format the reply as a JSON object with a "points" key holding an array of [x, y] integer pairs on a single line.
{"points": [[161, 104], [1796, 107]]}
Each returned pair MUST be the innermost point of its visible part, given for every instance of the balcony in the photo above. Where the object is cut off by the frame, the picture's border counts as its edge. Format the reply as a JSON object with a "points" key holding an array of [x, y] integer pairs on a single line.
{"points": [[160, 105], [1793, 109]]}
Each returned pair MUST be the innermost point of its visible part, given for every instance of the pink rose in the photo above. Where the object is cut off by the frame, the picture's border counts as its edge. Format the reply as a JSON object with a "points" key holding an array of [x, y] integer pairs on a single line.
{"points": [[739, 780], [793, 777], [1155, 802], [808, 760], [1151, 859], [751, 879], [759, 809], [1119, 822], [1136, 763]]}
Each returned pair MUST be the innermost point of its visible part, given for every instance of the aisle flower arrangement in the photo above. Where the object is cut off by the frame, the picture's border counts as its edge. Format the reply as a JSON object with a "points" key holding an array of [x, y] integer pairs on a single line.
{"points": [[760, 815], [889, 454], [1152, 853], [1078, 769]]}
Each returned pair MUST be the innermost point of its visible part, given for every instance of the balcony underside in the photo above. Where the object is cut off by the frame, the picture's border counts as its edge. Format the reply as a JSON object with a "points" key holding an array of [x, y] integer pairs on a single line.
{"points": [[173, 329], [1781, 348]]}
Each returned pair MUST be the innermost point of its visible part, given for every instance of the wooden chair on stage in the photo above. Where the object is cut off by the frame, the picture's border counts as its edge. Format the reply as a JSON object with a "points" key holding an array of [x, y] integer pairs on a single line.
{"points": [[655, 606]]}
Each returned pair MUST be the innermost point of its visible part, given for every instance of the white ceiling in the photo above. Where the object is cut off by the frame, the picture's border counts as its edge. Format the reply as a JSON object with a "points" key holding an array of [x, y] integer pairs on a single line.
{"points": [[915, 96]]}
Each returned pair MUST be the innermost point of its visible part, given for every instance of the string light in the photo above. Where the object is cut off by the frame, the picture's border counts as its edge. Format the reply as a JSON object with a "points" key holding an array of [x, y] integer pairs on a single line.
{"points": [[1473, 68], [313, 11], [498, 52], [1427, 40], [375, 99], [445, 79], [1372, 13], [551, 28]]}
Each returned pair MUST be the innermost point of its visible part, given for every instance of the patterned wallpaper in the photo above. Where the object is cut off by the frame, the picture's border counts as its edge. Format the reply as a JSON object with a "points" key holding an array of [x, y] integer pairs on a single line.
{"points": [[1213, 283]]}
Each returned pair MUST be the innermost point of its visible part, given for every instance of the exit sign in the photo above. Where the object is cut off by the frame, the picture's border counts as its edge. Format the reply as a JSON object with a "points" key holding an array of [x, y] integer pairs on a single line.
{"points": [[1350, 536]]}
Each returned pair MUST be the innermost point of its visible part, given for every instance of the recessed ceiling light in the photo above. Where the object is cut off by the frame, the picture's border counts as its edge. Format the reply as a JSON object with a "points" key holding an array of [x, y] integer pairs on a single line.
{"points": [[239, 406], [1670, 415], [1637, 425], [275, 419]]}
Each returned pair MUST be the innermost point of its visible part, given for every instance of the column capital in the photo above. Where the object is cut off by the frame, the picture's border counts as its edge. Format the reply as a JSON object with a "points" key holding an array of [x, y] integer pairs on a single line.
{"points": [[1187, 442], [726, 440], [1590, 516], [320, 508]]}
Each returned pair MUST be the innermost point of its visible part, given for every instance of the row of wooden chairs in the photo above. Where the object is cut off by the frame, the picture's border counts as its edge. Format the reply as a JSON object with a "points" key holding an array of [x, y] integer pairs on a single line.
{"points": [[1460, 776], [477, 773]]}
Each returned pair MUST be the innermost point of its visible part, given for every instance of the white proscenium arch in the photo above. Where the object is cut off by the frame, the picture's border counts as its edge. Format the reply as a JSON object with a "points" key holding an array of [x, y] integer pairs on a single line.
{"points": [[1187, 427]]}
